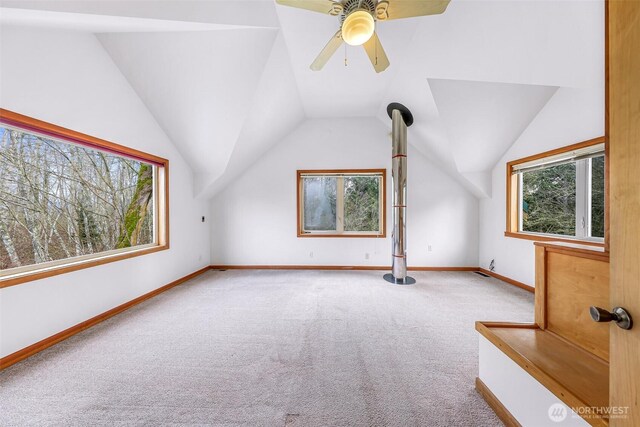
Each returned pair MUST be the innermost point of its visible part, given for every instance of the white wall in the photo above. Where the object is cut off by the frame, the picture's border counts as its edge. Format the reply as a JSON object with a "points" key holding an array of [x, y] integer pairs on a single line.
{"points": [[575, 113], [69, 80], [570, 116], [254, 219], [523, 396]]}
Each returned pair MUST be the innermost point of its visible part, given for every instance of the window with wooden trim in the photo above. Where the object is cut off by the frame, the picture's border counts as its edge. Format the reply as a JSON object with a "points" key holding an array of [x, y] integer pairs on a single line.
{"points": [[559, 194], [341, 203], [70, 201]]}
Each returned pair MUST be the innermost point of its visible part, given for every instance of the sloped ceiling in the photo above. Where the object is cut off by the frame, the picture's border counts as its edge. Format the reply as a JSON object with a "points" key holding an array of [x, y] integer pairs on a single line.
{"points": [[183, 78], [275, 112], [538, 44], [227, 80], [355, 85], [483, 119]]}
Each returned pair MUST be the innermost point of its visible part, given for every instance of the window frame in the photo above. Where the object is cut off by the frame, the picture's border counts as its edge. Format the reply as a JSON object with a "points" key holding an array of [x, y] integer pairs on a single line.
{"points": [[513, 197], [33, 272], [341, 172]]}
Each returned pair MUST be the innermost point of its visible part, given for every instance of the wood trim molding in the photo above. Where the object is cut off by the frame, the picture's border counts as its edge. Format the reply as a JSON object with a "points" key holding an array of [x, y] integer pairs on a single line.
{"points": [[91, 262], [560, 150], [67, 333], [511, 325], [441, 268], [26, 352], [512, 201], [577, 250], [540, 305], [372, 268], [549, 381], [623, 127], [301, 172], [299, 267], [542, 238], [31, 124], [607, 168], [511, 229], [55, 131], [335, 267], [494, 403], [508, 280], [63, 269]]}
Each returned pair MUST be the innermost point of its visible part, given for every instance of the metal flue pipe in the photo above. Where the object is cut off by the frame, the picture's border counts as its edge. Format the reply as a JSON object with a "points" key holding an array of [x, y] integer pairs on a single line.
{"points": [[401, 118]]}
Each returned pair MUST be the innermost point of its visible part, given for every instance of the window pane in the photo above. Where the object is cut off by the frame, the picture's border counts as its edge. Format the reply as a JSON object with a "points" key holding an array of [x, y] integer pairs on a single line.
{"points": [[320, 203], [59, 200], [549, 200], [597, 196], [361, 203]]}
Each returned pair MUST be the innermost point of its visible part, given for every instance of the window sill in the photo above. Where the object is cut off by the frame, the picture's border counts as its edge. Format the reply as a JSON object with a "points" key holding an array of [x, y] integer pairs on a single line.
{"points": [[366, 236], [49, 271], [542, 238]]}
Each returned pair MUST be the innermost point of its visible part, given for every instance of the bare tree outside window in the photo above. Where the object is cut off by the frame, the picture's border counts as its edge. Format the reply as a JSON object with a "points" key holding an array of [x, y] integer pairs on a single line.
{"points": [[59, 200]]}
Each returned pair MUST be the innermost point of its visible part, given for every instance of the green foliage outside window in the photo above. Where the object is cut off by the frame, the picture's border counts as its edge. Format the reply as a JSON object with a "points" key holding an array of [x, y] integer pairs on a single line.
{"points": [[361, 203], [549, 196], [342, 203], [549, 199], [320, 203], [597, 196]]}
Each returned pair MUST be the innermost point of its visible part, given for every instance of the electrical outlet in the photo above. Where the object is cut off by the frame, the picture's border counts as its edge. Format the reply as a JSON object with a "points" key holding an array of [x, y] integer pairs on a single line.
{"points": [[366, 256], [311, 254], [429, 248]]}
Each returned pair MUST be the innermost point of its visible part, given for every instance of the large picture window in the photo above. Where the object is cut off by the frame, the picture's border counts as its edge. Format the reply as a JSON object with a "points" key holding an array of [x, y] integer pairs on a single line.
{"points": [[341, 203], [560, 194], [68, 200]]}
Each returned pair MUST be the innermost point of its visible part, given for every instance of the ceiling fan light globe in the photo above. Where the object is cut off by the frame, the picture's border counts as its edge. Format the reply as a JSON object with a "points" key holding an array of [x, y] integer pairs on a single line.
{"points": [[358, 28]]}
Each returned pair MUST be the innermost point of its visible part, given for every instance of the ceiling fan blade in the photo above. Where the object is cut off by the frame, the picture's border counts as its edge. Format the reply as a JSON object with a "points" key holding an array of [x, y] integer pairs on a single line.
{"points": [[328, 51], [376, 53], [322, 6], [398, 9]]}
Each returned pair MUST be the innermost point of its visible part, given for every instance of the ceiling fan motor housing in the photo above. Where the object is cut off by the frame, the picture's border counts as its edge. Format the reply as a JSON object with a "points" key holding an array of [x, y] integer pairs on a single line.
{"points": [[352, 5], [357, 20]]}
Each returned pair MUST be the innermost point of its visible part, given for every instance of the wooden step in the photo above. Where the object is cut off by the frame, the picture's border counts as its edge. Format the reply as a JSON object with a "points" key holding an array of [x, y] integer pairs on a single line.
{"points": [[575, 376]]}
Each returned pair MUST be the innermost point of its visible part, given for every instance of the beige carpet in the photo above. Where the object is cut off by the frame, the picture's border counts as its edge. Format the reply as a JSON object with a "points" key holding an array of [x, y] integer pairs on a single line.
{"points": [[274, 348]]}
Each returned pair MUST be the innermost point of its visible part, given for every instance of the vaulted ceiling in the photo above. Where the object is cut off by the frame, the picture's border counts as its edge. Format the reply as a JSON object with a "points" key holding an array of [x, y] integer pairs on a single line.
{"points": [[227, 80]]}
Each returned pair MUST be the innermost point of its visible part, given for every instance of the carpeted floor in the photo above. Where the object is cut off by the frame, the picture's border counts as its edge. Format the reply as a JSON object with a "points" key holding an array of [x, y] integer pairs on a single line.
{"points": [[274, 348]]}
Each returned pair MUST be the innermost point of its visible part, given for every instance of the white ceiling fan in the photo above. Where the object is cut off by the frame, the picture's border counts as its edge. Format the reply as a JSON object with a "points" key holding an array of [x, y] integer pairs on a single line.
{"points": [[358, 23]]}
